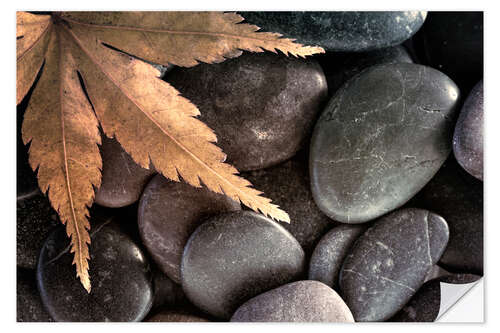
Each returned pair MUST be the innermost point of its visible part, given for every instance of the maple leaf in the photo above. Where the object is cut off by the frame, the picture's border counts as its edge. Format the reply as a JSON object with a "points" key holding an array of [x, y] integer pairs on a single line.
{"points": [[148, 117]]}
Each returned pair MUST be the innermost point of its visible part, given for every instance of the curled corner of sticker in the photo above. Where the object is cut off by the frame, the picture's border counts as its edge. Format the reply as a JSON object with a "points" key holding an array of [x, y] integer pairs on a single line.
{"points": [[457, 306]]}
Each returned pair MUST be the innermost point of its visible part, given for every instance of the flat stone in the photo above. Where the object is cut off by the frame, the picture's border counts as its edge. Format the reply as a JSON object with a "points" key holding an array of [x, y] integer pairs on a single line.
{"points": [[447, 39], [341, 31], [168, 214], [28, 303], [381, 138], [330, 253], [288, 185], [122, 179], [235, 256], [122, 288], [301, 301], [390, 261], [458, 198], [425, 305], [339, 67], [468, 137], [261, 106]]}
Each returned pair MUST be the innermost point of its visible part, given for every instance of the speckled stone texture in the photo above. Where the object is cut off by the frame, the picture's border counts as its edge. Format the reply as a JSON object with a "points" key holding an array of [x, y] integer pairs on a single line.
{"points": [[341, 31], [330, 253], [288, 186], [121, 280], [425, 305], [168, 214], [301, 301], [261, 106], [235, 256], [453, 43], [122, 179], [381, 138], [339, 67], [28, 303], [458, 198], [468, 136], [390, 261]]}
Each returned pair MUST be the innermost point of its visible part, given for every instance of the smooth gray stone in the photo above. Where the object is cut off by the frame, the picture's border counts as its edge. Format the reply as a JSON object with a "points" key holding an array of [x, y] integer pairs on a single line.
{"points": [[262, 106], [390, 261], [330, 252], [301, 301], [168, 214], [468, 137], [425, 304], [341, 31], [235, 256], [381, 138]]}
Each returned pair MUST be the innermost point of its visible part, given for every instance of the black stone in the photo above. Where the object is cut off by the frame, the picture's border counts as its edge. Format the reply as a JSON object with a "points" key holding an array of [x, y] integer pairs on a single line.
{"points": [[381, 138], [167, 293], [122, 288], [453, 43], [458, 198], [261, 106], [390, 261], [339, 67], [331, 251], [341, 31], [29, 304], [301, 301], [288, 185], [425, 304], [122, 179], [235, 256], [168, 214], [468, 136]]}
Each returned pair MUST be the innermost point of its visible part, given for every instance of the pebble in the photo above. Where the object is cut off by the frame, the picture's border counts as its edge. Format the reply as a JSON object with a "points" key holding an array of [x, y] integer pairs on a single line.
{"points": [[330, 253], [381, 138], [301, 301], [167, 293], [122, 179], [338, 31], [28, 303], [235, 256], [262, 106], [168, 214], [122, 288], [175, 315], [468, 137], [390, 261]]}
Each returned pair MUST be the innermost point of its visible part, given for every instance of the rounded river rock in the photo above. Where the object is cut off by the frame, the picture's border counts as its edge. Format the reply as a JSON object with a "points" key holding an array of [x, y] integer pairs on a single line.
{"points": [[235, 256], [381, 138], [168, 214], [390, 261], [301, 301]]}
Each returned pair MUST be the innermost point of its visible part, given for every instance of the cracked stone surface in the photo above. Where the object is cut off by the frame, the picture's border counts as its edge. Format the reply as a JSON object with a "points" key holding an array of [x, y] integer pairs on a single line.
{"points": [[235, 256], [330, 253], [390, 261], [261, 106], [424, 305], [380, 139], [122, 288], [341, 31], [301, 301], [168, 214], [122, 179], [468, 136]]}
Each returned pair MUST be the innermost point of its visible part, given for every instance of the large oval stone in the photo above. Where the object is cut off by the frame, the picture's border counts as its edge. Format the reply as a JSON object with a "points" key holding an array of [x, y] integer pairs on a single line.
{"points": [[381, 138], [390, 261], [235, 256], [468, 136], [168, 214], [330, 253], [301, 301], [122, 287], [341, 31], [261, 106]]}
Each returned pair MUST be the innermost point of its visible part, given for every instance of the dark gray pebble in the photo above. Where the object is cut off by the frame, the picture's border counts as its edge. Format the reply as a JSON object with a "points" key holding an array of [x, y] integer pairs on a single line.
{"points": [[29, 305]]}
